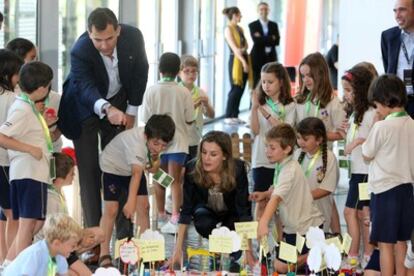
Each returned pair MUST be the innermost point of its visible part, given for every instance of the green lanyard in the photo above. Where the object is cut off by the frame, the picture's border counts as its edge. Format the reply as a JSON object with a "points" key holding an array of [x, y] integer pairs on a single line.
{"points": [[278, 169], [312, 163], [308, 107], [275, 108], [396, 114], [62, 199], [354, 128], [51, 267], [165, 79], [49, 143]]}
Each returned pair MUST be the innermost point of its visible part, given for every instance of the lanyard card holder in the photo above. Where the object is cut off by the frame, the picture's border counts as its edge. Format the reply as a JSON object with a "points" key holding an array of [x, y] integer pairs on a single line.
{"points": [[408, 81], [52, 168]]}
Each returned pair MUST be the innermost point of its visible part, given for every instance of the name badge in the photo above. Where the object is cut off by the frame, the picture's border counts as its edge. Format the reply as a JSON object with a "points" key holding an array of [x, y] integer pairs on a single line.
{"points": [[408, 81]]}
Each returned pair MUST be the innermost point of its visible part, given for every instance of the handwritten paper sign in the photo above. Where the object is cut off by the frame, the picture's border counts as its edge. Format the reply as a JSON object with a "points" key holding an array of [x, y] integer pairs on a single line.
{"points": [[335, 241], [363, 191], [287, 252], [128, 252], [152, 250], [300, 242], [346, 243], [220, 244], [244, 243], [247, 228]]}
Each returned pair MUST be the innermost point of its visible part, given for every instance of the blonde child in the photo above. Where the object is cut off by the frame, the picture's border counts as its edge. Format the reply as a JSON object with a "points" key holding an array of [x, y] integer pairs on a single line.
{"points": [[319, 166], [167, 97], [188, 74], [48, 256], [289, 189], [272, 104], [9, 76], [27, 139], [355, 83], [56, 203], [390, 153]]}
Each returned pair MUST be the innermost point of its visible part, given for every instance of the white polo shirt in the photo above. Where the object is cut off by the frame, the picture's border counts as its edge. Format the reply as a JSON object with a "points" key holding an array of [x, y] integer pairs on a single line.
{"points": [[171, 99], [6, 100], [259, 158], [329, 182], [390, 144], [126, 149], [358, 164], [23, 125], [297, 209]]}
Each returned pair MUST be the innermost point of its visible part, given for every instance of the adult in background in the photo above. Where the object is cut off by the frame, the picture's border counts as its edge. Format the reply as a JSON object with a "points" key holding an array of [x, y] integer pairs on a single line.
{"points": [[332, 61], [239, 64], [101, 95], [265, 36], [397, 47]]}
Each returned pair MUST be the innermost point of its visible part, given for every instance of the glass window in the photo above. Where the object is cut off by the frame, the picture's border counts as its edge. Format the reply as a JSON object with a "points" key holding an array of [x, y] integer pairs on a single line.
{"points": [[73, 17], [19, 20]]}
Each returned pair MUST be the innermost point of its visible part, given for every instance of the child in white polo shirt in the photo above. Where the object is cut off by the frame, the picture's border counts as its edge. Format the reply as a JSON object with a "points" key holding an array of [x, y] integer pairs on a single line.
{"points": [[390, 152], [123, 162], [290, 193], [26, 136], [167, 97]]}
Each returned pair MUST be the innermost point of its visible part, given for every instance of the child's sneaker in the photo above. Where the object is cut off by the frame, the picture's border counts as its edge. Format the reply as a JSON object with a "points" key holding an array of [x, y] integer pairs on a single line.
{"points": [[351, 262], [169, 228], [364, 261]]}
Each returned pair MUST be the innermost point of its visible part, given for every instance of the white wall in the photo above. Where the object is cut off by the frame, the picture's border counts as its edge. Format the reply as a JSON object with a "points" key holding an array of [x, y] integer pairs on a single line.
{"points": [[360, 25]]}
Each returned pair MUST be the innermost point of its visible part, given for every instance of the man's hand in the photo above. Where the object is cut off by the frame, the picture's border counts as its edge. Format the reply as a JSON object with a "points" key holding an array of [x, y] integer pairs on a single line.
{"points": [[130, 121], [116, 116]]}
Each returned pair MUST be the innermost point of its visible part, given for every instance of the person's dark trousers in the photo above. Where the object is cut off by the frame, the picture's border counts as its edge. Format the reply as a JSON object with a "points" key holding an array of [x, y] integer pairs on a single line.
{"points": [[87, 153], [410, 106], [205, 220], [257, 65], [235, 94]]}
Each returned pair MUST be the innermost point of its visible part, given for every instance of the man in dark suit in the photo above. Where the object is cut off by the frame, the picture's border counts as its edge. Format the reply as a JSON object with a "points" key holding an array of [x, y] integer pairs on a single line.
{"points": [[101, 95], [397, 47], [265, 35]]}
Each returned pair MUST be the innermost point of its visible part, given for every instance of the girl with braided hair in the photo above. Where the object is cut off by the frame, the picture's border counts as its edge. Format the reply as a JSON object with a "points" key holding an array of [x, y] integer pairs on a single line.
{"points": [[318, 164], [356, 82]]}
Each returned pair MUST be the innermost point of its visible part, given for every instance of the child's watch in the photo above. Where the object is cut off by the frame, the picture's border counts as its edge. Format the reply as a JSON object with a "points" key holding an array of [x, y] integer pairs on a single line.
{"points": [[105, 108]]}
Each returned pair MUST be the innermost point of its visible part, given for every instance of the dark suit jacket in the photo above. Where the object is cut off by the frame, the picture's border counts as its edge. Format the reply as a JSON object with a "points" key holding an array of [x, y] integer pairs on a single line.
{"points": [[258, 53], [88, 80], [236, 201], [390, 48]]}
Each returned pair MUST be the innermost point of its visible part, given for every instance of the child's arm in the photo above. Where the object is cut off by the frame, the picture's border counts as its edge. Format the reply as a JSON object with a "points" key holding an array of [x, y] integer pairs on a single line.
{"points": [[12, 144], [319, 193], [351, 146], [254, 115], [208, 109], [129, 208], [270, 209]]}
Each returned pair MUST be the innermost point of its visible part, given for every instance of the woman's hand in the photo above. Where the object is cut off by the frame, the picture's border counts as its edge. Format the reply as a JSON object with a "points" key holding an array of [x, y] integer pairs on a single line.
{"points": [[262, 230], [245, 66], [176, 258]]}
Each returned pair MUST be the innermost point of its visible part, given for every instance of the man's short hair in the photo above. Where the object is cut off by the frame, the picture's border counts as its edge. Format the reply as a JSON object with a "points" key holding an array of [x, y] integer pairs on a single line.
{"points": [[61, 227], [169, 64], [160, 127], [266, 4], [33, 75], [100, 18], [388, 90]]}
